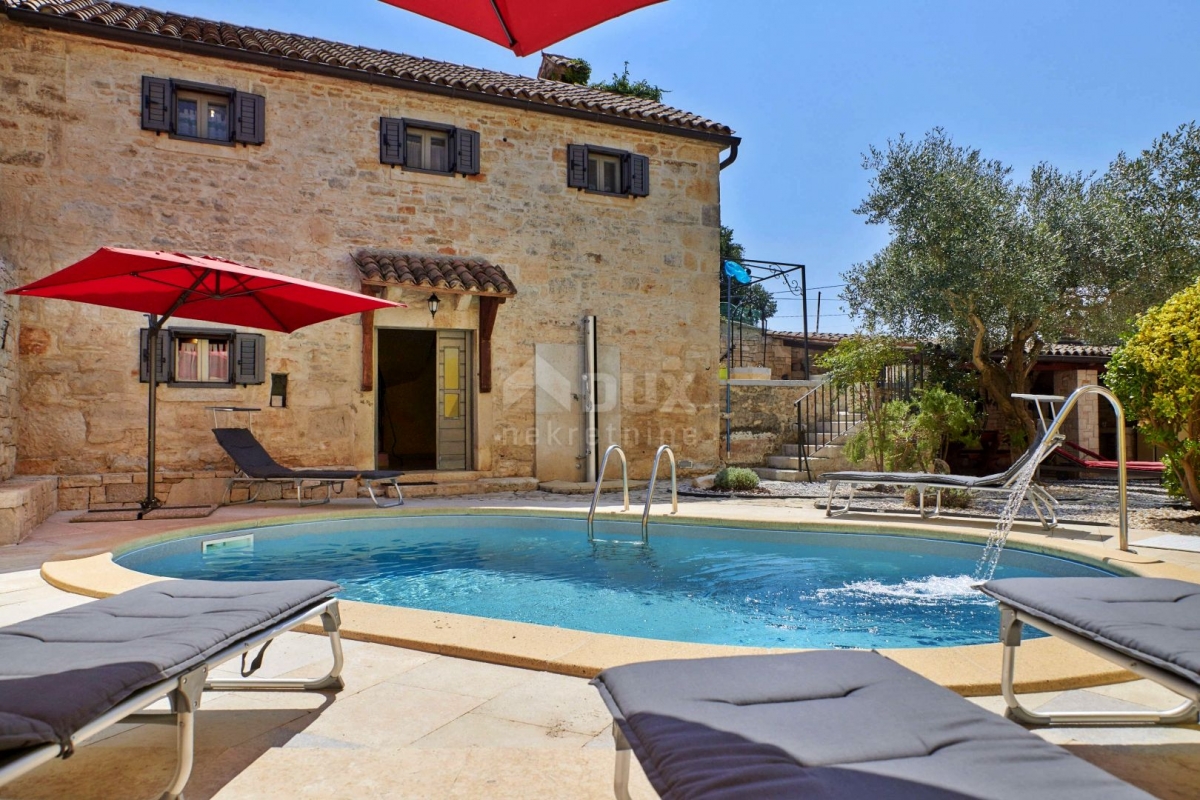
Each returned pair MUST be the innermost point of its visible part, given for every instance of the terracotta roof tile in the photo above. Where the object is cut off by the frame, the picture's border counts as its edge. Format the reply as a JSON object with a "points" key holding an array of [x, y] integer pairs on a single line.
{"points": [[357, 61], [469, 275], [1104, 351]]}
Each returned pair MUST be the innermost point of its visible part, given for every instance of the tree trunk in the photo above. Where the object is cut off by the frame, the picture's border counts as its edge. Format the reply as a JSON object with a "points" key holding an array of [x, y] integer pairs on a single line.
{"points": [[1190, 481], [1000, 382]]}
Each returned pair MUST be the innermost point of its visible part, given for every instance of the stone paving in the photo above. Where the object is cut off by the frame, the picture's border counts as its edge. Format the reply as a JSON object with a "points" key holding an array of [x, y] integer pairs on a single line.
{"points": [[416, 725]]}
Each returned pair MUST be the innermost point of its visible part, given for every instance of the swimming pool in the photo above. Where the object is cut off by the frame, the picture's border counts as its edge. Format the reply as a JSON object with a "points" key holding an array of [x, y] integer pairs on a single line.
{"points": [[695, 583]]}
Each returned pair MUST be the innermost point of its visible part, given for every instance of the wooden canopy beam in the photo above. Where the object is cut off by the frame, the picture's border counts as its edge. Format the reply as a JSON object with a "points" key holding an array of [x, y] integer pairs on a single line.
{"points": [[488, 306]]}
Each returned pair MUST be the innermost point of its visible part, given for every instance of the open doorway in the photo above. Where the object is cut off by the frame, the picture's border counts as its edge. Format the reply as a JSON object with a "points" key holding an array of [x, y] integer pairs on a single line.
{"points": [[424, 399]]}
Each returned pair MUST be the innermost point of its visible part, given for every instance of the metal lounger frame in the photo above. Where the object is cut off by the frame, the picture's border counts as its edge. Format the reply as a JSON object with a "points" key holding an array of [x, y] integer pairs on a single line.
{"points": [[1011, 622], [307, 484], [1042, 502], [184, 691]]}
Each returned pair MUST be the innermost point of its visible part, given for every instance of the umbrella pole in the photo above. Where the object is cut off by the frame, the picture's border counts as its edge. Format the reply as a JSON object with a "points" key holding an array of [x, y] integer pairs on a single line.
{"points": [[151, 502]]}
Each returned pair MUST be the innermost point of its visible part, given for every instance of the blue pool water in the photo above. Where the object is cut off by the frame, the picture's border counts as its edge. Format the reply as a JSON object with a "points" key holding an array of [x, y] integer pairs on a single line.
{"points": [[690, 583]]}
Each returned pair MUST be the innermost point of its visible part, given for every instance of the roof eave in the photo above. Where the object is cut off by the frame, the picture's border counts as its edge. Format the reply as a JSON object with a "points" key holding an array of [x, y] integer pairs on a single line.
{"points": [[422, 288], [128, 36]]}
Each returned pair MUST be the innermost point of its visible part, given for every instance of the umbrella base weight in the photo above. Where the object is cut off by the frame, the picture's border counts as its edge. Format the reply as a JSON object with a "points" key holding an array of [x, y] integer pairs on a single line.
{"points": [[134, 513]]}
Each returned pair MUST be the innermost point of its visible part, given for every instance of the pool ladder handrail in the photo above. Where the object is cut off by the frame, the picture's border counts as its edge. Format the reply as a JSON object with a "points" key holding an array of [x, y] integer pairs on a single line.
{"points": [[1055, 422], [591, 517], [650, 489]]}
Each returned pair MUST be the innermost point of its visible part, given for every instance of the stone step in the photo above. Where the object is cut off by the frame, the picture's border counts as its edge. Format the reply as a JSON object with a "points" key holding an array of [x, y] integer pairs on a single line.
{"points": [[771, 474], [783, 462]]}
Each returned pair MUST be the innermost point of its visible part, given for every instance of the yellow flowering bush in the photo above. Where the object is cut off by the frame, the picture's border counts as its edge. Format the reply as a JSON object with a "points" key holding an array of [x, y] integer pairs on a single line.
{"points": [[1156, 374]]}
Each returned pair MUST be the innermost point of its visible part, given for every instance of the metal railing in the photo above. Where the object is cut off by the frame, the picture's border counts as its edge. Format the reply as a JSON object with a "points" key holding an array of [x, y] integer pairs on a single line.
{"points": [[650, 490], [826, 414], [591, 517]]}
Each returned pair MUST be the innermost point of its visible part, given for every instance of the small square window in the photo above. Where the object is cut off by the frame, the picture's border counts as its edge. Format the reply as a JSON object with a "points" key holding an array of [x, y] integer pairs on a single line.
{"points": [[204, 113], [604, 173], [202, 116], [603, 170], [426, 149], [428, 146], [196, 357], [200, 360]]}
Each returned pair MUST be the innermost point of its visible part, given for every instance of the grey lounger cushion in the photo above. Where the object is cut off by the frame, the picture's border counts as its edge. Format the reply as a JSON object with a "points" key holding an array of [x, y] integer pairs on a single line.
{"points": [[1154, 619], [830, 724], [62, 670]]}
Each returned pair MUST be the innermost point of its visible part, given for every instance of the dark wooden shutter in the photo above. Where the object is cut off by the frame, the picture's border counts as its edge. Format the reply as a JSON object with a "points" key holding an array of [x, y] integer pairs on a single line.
{"points": [[577, 166], [249, 358], [156, 104], [250, 111], [639, 175], [164, 355], [391, 141], [466, 151]]}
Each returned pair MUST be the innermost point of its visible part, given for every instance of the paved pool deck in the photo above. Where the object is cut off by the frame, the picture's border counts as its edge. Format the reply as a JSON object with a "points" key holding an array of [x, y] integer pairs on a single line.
{"points": [[421, 721]]}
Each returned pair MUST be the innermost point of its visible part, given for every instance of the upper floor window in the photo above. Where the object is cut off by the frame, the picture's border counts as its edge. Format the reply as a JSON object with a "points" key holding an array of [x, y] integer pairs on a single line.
{"points": [[202, 116], [205, 357], [202, 112], [604, 173], [607, 171], [428, 146]]}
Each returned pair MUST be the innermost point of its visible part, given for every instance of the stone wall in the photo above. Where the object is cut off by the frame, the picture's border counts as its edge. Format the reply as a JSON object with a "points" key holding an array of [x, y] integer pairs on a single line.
{"points": [[763, 418], [8, 374], [77, 172]]}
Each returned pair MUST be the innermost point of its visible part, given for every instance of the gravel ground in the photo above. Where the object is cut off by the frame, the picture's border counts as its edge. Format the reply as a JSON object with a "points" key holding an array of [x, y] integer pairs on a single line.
{"points": [[1079, 501]]}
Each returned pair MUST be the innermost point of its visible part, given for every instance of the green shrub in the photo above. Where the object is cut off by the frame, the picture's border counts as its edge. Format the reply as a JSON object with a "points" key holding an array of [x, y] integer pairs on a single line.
{"points": [[855, 365], [735, 479], [1156, 374]]}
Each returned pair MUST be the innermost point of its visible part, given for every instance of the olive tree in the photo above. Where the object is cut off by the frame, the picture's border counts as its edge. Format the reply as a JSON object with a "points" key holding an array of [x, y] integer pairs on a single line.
{"points": [[1006, 266], [1156, 374]]}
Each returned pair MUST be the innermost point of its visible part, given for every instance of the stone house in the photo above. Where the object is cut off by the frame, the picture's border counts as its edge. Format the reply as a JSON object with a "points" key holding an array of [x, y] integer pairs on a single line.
{"points": [[534, 210]]}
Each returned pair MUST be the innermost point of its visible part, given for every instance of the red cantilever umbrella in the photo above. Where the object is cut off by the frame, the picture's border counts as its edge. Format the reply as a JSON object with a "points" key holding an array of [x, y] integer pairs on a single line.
{"points": [[166, 285], [523, 26]]}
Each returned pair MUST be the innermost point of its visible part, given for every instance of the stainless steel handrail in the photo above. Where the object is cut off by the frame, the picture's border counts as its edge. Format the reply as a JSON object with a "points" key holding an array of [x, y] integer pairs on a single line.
{"points": [[1056, 422], [591, 518], [650, 489]]}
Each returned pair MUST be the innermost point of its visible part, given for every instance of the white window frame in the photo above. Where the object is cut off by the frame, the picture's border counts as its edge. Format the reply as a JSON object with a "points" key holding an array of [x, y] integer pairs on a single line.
{"points": [[204, 101], [204, 350], [597, 162], [426, 137]]}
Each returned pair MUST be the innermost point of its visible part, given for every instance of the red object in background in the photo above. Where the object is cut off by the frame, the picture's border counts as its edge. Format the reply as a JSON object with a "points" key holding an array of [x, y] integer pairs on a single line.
{"points": [[523, 26], [166, 285], [198, 287]]}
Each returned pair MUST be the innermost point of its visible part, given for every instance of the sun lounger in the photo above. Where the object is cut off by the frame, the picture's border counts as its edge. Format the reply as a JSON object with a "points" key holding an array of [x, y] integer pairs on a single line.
{"points": [[1149, 626], [1090, 459], [827, 724], [69, 675], [1000, 483], [256, 467]]}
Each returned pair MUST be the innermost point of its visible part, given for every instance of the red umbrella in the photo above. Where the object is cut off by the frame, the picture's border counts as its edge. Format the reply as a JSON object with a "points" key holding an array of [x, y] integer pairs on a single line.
{"points": [[165, 285], [523, 26]]}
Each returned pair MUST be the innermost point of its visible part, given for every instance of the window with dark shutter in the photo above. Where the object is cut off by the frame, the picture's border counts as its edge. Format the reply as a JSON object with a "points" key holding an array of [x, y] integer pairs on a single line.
{"points": [[156, 104], [202, 357], [603, 170], [163, 354], [466, 157], [639, 175], [428, 146], [577, 166], [249, 358], [200, 112], [391, 141], [249, 118]]}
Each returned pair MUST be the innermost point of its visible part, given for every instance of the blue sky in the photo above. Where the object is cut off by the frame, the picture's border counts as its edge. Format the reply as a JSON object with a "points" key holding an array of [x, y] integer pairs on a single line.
{"points": [[809, 86]]}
